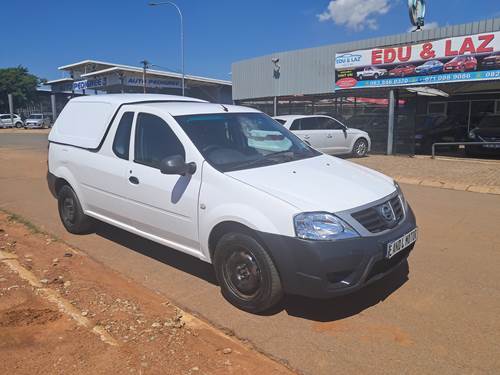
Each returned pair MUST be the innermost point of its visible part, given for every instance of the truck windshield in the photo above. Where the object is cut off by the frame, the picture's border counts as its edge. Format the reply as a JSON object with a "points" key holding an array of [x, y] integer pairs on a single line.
{"points": [[35, 117], [235, 141]]}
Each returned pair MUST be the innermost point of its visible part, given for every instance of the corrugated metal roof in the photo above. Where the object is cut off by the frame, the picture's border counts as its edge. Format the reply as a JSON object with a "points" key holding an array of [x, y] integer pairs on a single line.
{"points": [[113, 67], [312, 70]]}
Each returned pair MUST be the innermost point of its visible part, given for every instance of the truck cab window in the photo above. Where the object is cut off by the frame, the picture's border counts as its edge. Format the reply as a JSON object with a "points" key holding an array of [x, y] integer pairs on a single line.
{"points": [[154, 141], [121, 142]]}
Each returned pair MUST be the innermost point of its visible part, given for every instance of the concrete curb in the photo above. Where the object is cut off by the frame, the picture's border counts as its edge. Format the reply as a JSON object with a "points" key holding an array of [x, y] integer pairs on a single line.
{"points": [[485, 189]]}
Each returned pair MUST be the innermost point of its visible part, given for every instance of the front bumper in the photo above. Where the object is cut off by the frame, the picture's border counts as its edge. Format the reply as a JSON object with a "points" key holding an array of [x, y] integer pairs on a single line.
{"points": [[322, 269], [51, 182], [33, 125]]}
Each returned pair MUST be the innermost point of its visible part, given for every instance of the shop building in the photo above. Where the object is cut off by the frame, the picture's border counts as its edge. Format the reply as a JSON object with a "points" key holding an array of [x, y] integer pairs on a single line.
{"points": [[90, 77], [407, 91]]}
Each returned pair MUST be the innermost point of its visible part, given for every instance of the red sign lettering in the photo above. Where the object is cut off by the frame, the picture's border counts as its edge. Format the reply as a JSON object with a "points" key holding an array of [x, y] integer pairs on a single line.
{"points": [[467, 46], [389, 55], [486, 39], [403, 57], [447, 49], [376, 56], [427, 51]]}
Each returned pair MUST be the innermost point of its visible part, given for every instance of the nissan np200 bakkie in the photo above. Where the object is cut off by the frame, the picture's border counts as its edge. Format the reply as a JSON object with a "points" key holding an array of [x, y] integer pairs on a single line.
{"points": [[231, 186]]}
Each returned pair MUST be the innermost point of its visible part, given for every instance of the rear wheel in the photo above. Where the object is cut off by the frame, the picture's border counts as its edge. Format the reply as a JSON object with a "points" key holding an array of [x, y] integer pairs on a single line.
{"points": [[71, 212], [246, 273], [360, 148]]}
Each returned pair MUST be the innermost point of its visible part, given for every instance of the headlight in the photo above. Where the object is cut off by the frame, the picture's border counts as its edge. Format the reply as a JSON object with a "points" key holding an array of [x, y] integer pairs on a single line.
{"points": [[401, 195], [322, 226]]}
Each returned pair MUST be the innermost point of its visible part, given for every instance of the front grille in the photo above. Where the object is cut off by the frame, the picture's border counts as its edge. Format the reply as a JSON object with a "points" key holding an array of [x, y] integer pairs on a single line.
{"points": [[374, 221]]}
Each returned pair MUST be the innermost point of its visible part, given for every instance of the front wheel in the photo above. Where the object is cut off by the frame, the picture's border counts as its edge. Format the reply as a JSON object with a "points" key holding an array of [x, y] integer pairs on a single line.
{"points": [[71, 212], [360, 148], [246, 273]]}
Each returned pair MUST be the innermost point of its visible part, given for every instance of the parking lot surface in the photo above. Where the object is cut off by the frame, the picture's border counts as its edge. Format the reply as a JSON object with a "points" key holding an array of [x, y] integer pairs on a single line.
{"points": [[437, 314], [477, 175]]}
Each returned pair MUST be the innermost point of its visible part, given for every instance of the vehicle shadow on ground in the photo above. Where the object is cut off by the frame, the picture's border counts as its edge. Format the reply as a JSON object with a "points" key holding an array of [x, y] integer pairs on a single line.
{"points": [[345, 306], [307, 308], [171, 257]]}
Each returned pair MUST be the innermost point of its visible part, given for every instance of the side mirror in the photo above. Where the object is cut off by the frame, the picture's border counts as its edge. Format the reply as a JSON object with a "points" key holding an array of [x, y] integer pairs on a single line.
{"points": [[176, 164]]}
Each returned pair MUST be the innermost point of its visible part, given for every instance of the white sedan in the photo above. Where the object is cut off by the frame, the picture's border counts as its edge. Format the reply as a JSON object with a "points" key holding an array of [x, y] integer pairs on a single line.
{"points": [[327, 134]]}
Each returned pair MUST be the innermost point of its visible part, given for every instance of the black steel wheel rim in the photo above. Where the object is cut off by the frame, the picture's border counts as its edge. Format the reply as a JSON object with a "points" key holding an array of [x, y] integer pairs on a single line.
{"points": [[242, 273], [69, 210]]}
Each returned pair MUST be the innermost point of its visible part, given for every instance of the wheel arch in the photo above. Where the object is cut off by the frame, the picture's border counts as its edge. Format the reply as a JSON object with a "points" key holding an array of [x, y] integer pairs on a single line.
{"points": [[63, 176], [224, 227]]}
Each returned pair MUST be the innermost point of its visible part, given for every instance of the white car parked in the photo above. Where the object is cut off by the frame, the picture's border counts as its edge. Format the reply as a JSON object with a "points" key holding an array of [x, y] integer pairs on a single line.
{"points": [[7, 122], [371, 72], [327, 134], [232, 187]]}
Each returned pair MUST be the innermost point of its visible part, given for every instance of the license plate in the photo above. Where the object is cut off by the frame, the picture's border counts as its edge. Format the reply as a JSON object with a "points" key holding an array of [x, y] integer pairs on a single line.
{"points": [[400, 244]]}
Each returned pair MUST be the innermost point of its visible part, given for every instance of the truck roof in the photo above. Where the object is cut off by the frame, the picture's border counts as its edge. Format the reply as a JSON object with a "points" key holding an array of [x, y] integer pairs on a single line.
{"points": [[118, 99], [85, 120]]}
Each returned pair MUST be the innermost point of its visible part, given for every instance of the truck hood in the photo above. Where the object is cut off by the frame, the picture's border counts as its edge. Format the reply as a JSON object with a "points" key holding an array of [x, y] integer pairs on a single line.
{"points": [[322, 183]]}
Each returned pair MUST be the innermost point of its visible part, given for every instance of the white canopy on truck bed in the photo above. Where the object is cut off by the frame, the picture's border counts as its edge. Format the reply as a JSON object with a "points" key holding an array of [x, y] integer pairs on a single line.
{"points": [[84, 120]]}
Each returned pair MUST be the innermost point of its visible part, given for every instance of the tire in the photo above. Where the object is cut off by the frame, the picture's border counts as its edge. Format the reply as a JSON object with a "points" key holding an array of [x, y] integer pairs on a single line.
{"points": [[19, 125], [376, 76], [71, 213], [360, 148], [246, 273]]}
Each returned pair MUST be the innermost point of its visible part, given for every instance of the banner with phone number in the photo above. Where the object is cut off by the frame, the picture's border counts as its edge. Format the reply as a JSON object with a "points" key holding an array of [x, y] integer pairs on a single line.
{"points": [[460, 59]]}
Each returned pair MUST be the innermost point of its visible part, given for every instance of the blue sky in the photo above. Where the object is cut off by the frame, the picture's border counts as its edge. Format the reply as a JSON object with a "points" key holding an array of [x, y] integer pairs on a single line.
{"points": [[43, 35]]}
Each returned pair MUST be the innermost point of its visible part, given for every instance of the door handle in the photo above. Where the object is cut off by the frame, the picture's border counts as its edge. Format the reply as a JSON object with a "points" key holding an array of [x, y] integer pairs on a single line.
{"points": [[133, 180]]}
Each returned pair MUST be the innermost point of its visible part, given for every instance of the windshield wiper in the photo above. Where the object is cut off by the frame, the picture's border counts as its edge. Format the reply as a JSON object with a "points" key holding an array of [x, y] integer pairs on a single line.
{"points": [[264, 159]]}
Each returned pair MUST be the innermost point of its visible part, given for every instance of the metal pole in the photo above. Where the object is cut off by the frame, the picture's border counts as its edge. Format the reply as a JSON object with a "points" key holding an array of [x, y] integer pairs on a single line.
{"points": [[53, 102], [11, 109], [390, 124], [182, 38], [182, 51], [145, 64], [275, 105]]}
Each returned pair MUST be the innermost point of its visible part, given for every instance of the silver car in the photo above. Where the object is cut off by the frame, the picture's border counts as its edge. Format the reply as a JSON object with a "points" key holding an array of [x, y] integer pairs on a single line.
{"points": [[37, 121]]}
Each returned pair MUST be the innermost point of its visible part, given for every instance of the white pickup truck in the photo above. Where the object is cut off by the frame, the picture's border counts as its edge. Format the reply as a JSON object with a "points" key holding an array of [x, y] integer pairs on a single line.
{"points": [[371, 72], [231, 186]]}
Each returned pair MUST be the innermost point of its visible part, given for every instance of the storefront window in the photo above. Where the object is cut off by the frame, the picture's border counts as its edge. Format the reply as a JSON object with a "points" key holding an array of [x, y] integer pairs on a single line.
{"points": [[479, 110], [436, 108]]}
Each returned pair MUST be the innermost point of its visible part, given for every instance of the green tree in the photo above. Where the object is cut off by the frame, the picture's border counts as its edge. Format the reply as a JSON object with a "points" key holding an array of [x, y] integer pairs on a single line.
{"points": [[18, 82]]}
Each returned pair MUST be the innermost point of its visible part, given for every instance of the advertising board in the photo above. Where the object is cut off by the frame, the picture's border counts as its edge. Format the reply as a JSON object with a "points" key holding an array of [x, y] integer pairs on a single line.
{"points": [[466, 58]]}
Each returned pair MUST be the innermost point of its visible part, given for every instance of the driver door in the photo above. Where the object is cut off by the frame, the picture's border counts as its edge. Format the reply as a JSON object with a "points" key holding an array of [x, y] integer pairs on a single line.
{"points": [[165, 206], [337, 138]]}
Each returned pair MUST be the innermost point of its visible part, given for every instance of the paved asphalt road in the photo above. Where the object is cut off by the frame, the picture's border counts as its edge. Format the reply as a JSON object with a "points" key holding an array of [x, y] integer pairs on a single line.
{"points": [[438, 314]]}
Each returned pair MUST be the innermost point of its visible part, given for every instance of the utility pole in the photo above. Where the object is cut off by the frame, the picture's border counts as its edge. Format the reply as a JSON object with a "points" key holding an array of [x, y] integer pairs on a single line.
{"points": [[145, 65]]}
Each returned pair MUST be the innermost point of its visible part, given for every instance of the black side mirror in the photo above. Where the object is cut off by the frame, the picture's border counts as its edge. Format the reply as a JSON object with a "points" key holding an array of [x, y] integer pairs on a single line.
{"points": [[176, 164]]}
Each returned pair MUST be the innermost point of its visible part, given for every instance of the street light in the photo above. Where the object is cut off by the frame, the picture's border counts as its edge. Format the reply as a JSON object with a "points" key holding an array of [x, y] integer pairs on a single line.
{"points": [[182, 35]]}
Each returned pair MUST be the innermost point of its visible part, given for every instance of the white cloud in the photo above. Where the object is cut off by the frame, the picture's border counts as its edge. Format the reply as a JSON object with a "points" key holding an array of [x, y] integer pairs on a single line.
{"points": [[355, 14], [427, 26]]}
